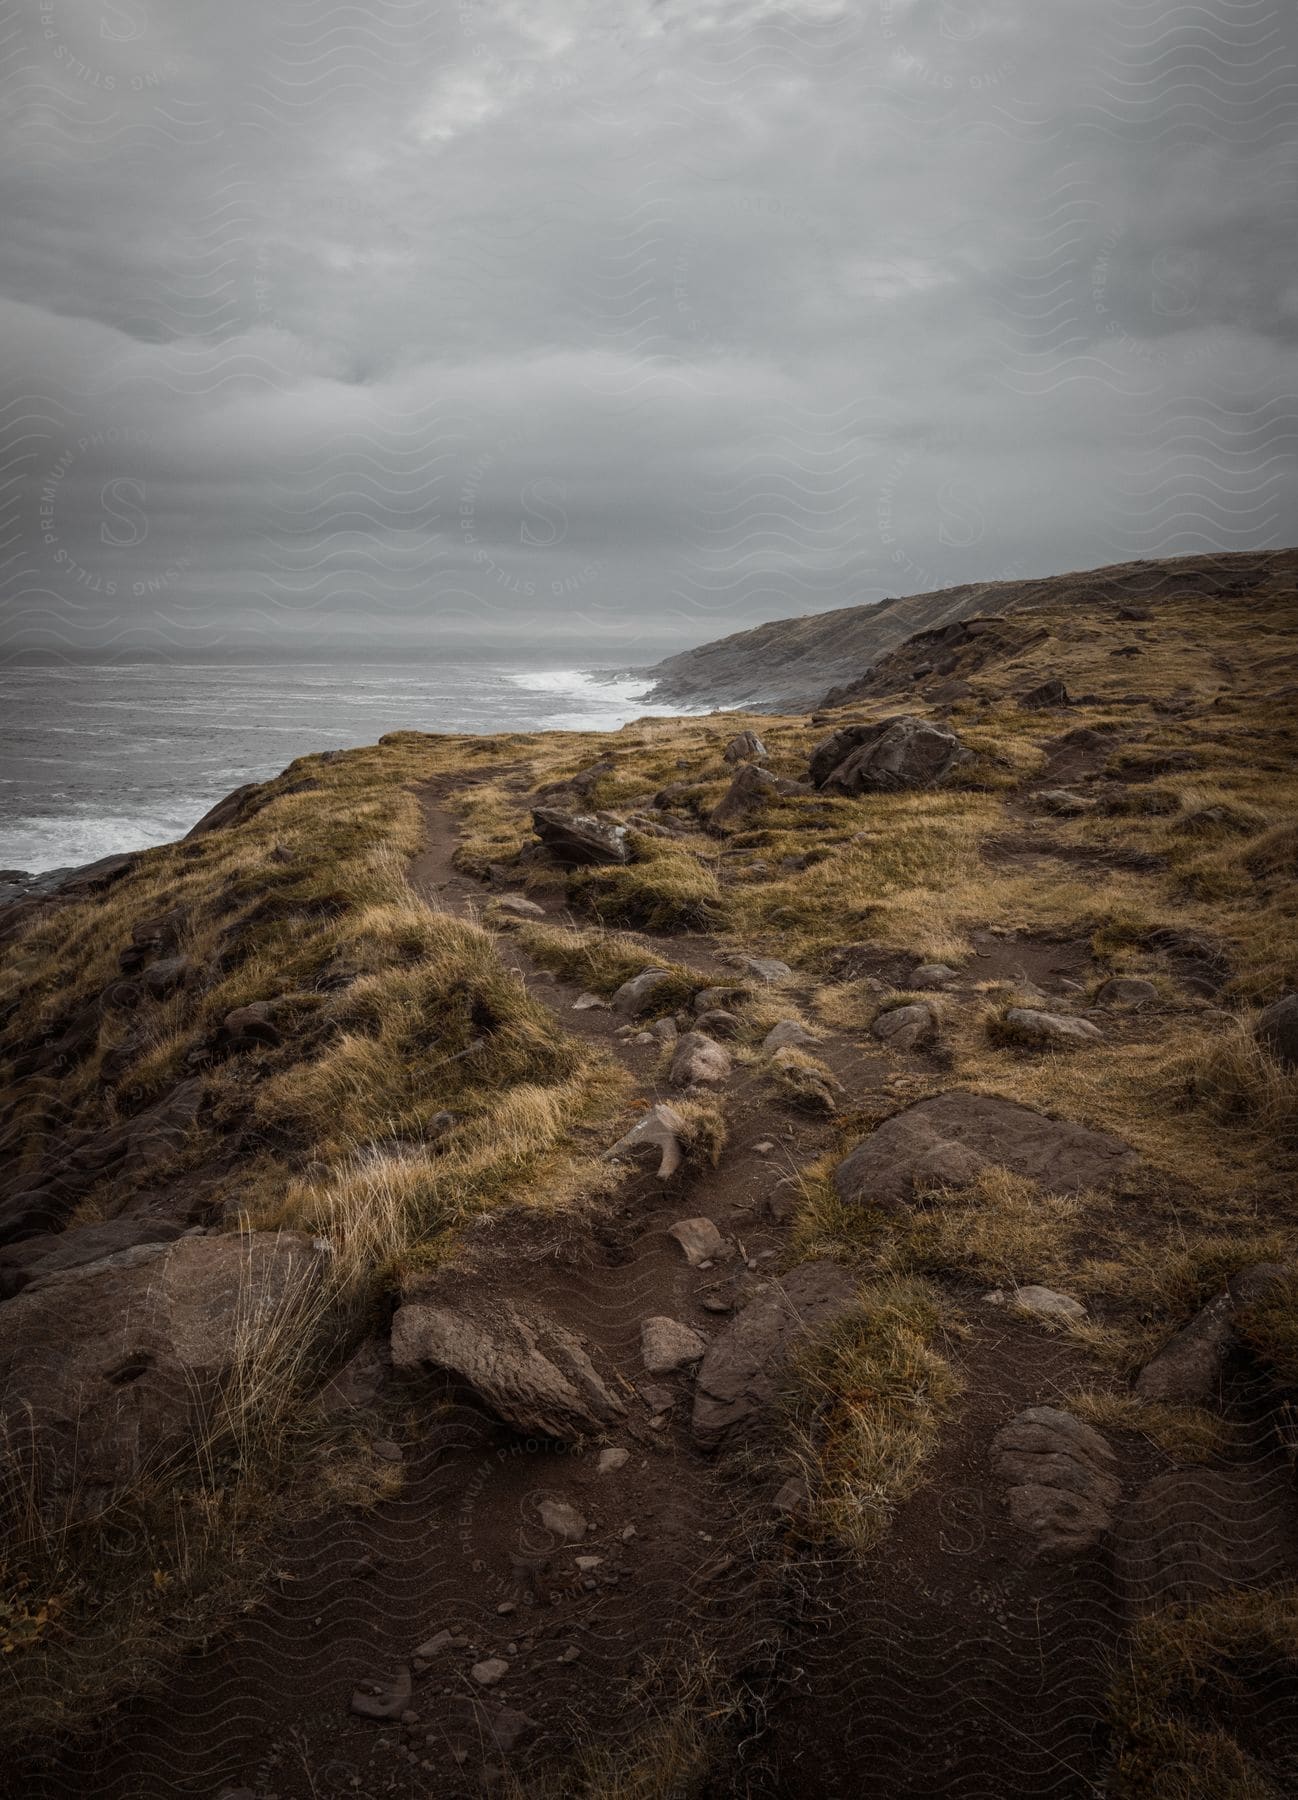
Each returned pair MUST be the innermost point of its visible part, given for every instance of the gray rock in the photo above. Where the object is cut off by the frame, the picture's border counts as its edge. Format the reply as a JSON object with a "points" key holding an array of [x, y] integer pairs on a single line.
{"points": [[578, 840], [745, 746], [1127, 990], [787, 1032], [1061, 1478], [660, 1130], [767, 968], [1277, 1030], [1187, 1370], [1050, 693], [666, 1346], [887, 756], [378, 1700], [905, 1027], [947, 1140], [590, 1003], [718, 1023], [116, 1362], [699, 1061], [248, 1025], [699, 1239], [751, 788], [33, 1261], [611, 1460], [562, 1520], [634, 996], [741, 1375], [491, 1670], [519, 1362], [1054, 1031], [519, 905], [931, 975], [164, 977]]}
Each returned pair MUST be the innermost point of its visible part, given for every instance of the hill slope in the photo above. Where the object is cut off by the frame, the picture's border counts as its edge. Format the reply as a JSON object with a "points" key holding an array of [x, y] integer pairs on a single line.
{"points": [[640, 1326], [793, 662]]}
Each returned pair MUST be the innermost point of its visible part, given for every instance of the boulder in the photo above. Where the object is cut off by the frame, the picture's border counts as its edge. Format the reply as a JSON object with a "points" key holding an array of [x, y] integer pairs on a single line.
{"points": [[383, 1699], [1187, 1371], [666, 1346], [164, 977], [518, 906], [700, 1240], [36, 1259], [1050, 1031], [766, 968], [1277, 1030], [785, 1033], [931, 975], [579, 841], [905, 1027], [718, 1023], [947, 1140], [562, 1519], [110, 1365], [247, 1026], [634, 996], [1190, 1533], [660, 1131], [153, 937], [1050, 693], [520, 1363], [699, 1061], [741, 1375], [1061, 1476], [888, 756], [745, 746], [232, 810], [1126, 990], [751, 788]]}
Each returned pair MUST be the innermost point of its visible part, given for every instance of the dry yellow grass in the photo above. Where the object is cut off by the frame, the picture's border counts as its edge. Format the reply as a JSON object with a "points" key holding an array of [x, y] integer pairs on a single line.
{"points": [[1186, 1686], [869, 1402]]}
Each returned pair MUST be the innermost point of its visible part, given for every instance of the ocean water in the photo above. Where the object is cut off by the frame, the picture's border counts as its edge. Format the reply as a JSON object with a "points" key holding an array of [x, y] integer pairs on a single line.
{"points": [[99, 760]]}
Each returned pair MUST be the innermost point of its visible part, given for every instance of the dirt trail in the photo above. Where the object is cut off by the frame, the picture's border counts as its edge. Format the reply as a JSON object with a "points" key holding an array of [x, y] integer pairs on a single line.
{"points": [[944, 1666]]}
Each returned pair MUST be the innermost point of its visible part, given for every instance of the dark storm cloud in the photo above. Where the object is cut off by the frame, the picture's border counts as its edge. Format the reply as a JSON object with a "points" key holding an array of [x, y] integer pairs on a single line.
{"points": [[618, 325]]}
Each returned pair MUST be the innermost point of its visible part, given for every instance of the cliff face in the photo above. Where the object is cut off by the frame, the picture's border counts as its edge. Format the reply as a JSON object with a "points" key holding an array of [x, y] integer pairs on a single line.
{"points": [[791, 663]]}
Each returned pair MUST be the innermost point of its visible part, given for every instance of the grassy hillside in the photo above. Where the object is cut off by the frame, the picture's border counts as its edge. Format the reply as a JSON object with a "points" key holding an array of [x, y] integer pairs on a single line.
{"points": [[794, 662], [420, 1083]]}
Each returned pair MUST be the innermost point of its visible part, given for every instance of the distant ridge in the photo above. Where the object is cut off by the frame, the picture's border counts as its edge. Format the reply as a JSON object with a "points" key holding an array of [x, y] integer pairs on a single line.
{"points": [[791, 663]]}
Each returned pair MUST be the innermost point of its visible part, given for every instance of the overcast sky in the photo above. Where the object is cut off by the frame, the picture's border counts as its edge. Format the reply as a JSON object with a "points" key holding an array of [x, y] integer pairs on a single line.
{"points": [[609, 327]]}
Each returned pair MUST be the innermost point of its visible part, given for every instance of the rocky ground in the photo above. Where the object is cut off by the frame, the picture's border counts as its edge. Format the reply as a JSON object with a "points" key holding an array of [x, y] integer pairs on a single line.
{"points": [[740, 1257]]}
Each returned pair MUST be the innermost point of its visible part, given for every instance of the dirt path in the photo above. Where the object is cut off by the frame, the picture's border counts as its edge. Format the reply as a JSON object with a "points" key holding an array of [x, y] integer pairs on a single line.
{"points": [[943, 1666]]}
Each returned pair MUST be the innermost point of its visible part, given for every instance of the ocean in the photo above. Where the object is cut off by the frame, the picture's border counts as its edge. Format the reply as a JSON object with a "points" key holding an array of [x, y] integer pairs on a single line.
{"points": [[97, 760]]}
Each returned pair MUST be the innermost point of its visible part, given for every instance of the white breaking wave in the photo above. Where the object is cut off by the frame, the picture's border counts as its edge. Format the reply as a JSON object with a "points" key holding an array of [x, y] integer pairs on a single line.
{"points": [[605, 701]]}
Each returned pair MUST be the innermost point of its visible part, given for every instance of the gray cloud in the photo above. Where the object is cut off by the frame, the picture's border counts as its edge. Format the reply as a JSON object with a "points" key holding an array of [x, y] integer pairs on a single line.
{"points": [[614, 326]]}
